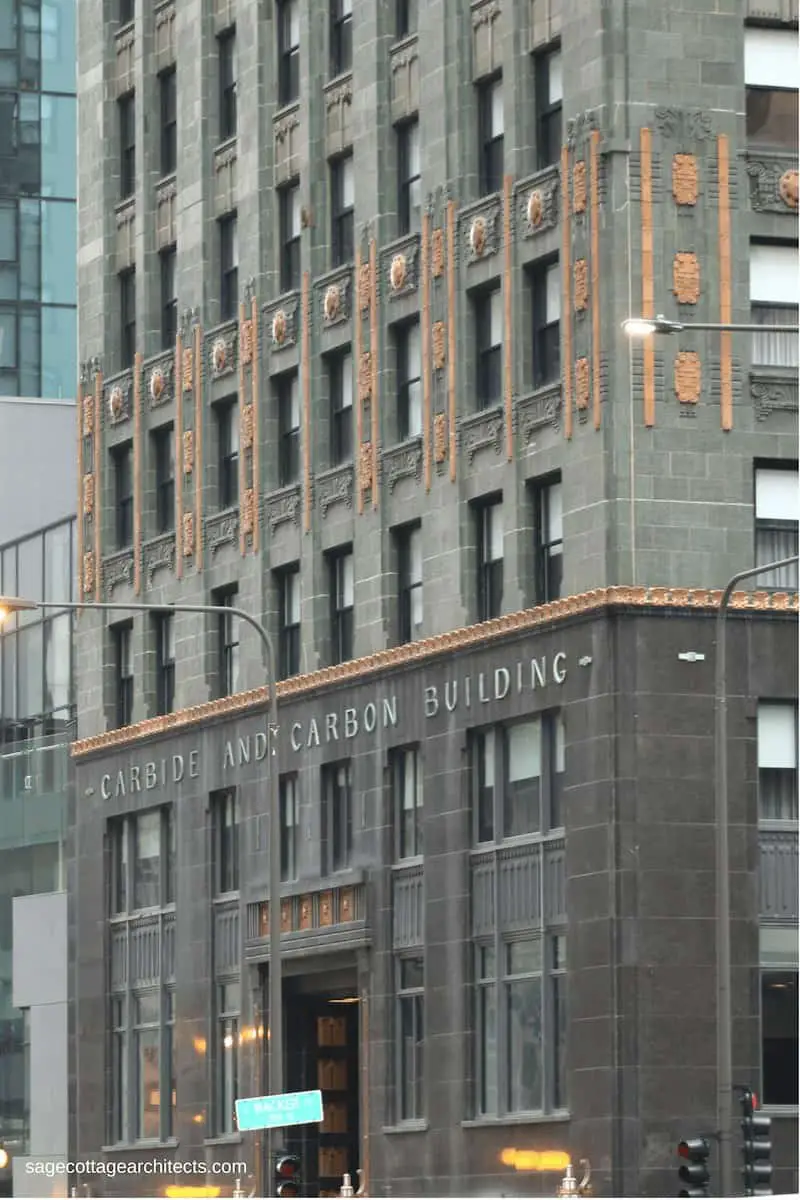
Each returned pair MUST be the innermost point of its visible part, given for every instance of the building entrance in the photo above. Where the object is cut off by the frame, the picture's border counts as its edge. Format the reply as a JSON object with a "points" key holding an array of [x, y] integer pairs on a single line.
{"points": [[322, 1029]]}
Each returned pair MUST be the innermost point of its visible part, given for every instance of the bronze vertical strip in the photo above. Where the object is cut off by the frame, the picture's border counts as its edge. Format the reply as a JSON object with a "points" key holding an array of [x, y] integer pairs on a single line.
{"points": [[365, 1093], [98, 489], [80, 509], [179, 457], [726, 361], [566, 306], [508, 317], [137, 474], [242, 465], [358, 350], [198, 446], [426, 349], [595, 217], [306, 359], [451, 334], [374, 339], [648, 284], [256, 431]]}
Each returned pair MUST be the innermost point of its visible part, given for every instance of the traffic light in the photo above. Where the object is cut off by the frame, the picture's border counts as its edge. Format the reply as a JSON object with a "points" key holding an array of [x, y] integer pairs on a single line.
{"points": [[287, 1175], [693, 1170], [756, 1148]]}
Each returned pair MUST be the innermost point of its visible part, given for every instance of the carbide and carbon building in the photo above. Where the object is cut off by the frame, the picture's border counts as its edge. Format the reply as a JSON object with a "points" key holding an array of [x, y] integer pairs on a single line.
{"points": [[351, 278]]}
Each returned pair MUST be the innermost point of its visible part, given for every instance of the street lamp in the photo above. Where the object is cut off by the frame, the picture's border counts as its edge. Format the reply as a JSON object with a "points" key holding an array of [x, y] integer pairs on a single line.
{"points": [[723, 883], [12, 604], [644, 327]]}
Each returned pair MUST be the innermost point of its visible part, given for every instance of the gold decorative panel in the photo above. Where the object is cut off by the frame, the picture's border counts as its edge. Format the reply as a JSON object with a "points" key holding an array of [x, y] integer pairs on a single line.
{"points": [[686, 278], [684, 179], [688, 377]]}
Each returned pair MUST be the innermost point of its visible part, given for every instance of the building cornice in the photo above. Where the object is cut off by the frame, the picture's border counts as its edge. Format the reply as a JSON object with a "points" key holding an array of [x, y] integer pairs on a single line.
{"points": [[361, 669]]}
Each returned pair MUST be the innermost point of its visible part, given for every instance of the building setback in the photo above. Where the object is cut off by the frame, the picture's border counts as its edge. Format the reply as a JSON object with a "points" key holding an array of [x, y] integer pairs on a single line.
{"points": [[351, 283]]}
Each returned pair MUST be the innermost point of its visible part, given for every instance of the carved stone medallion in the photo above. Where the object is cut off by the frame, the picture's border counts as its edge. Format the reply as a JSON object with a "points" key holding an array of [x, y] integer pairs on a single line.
{"points": [[398, 272]]}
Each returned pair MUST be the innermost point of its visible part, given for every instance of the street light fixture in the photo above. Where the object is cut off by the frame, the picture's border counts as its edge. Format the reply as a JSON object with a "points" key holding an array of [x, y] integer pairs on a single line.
{"points": [[13, 604], [644, 327]]}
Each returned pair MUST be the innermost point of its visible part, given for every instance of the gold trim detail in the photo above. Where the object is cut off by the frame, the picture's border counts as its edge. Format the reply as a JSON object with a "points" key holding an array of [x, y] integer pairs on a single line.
{"points": [[582, 384], [79, 524], [188, 451], [358, 361], [686, 278], [197, 517], [88, 494], [361, 669], [440, 437], [648, 284], [98, 484], [437, 253], [594, 200], [306, 364], [508, 316], [242, 456], [426, 348], [684, 179], [688, 376], [451, 333], [579, 187], [439, 336], [581, 283], [725, 291], [180, 451], [188, 534], [374, 337], [253, 323], [566, 284], [137, 474]]}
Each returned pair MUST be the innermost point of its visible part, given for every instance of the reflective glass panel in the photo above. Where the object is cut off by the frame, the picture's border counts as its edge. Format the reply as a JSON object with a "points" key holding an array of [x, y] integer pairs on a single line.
{"points": [[30, 671], [59, 146], [58, 45], [29, 249], [57, 564], [59, 252], [59, 352], [29, 357], [57, 643]]}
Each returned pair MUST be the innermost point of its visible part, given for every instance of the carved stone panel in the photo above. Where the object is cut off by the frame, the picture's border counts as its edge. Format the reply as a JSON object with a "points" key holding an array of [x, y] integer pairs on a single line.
{"points": [[338, 116], [222, 352], [365, 377], [282, 507], [246, 427], [402, 462], [166, 228], [686, 278], [482, 431], [440, 438], [335, 300], [159, 380], [581, 285], [404, 68], [439, 339], [226, 162], [537, 207], [222, 529], [248, 511], [482, 233], [579, 187], [286, 131], [364, 287], [400, 268], [88, 416], [537, 412], [773, 394], [118, 401], [188, 535], [684, 179], [126, 234], [165, 36], [684, 124], [124, 49], [365, 466], [88, 572], [487, 50], [246, 340], [188, 451], [688, 377], [88, 494], [157, 554], [117, 570], [773, 186], [282, 324], [335, 487], [437, 252], [187, 381], [582, 386]]}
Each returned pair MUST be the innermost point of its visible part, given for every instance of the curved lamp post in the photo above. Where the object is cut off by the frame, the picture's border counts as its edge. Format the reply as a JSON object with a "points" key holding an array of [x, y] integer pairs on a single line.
{"points": [[13, 604], [644, 327]]}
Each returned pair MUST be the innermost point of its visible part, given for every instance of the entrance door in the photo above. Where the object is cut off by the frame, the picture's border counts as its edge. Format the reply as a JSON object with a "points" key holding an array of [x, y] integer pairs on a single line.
{"points": [[322, 1051]]}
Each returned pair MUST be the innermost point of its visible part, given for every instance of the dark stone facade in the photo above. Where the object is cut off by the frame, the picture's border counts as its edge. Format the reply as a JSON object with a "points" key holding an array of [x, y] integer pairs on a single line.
{"points": [[635, 899]]}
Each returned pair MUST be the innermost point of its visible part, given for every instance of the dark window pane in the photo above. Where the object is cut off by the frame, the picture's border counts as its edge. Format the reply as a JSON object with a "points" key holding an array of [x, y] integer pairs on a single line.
{"points": [[772, 117]]}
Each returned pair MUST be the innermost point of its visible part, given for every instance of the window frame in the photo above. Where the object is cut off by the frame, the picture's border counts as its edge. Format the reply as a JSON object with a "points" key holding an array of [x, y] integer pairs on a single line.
{"points": [[122, 459], [288, 631], [163, 446], [342, 211], [228, 646], [491, 569], [341, 37], [228, 266], [488, 307], [228, 448], [491, 143], [408, 347], [546, 330], [287, 395], [290, 218], [168, 109], [289, 798], [127, 316], [226, 824], [122, 635], [341, 406], [165, 662], [288, 52], [549, 113], [227, 68], [338, 803], [228, 1017], [548, 551], [408, 175], [409, 835], [781, 811], [490, 827], [126, 109], [409, 588], [772, 528], [409, 998], [406, 19], [342, 613], [168, 263]]}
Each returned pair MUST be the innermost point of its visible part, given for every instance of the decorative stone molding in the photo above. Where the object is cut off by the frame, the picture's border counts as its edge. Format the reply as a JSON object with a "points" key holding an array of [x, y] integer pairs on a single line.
{"points": [[222, 352], [88, 416], [335, 487], [582, 387], [335, 299], [403, 462], [246, 423], [688, 377], [681, 124], [484, 12], [118, 401], [226, 155], [365, 377], [484, 635], [481, 431], [221, 529], [483, 232], [400, 267], [404, 68], [157, 554], [88, 494], [684, 179], [686, 278], [286, 133], [364, 287], [188, 535], [160, 389], [365, 467], [188, 451], [439, 438], [437, 252], [187, 381], [537, 411], [579, 187], [88, 573], [581, 126], [773, 185], [282, 507], [246, 341], [248, 511], [282, 323], [117, 570], [773, 393], [537, 206], [581, 285], [439, 339]]}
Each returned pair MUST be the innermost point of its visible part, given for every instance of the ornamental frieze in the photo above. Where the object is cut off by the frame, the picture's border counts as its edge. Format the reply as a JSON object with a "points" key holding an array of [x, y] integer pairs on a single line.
{"points": [[773, 186], [281, 320], [537, 205], [403, 462], [771, 394], [481, 231], [482, 431], [335, 487], [538, 411], [159, 381], [221, 529], [282, 507], [117, 570], [221, 351], [399, 267], [118, 399], [158, 554]]}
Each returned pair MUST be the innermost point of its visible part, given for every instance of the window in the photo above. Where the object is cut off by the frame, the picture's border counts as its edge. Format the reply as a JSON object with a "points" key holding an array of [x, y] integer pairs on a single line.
{"points": [[342, 205], [408, 541], [409, 205], [147, 837], [410, 1039], [290, 827], [126, 106], [489, 518], [127, 316], [779, 1011], [119, 1070], [492, 128], [488, 308], [169, 298], [777, 762], [227, 414], [229, 267], [409, 372], [287, 388], [546, 305], [123, 663], [122, 458], [225, 810], [227, 84], [289, 616], [770, 76], [548, 544], [517, 778], [549, 97], [407, 17], [228, 635], [165, 663], [341, 569], [288, 51], [229, 1014], [142, 861], [341, 36], [406, 775], [774, 298], [290, 237], [337, 793], [170, 1063], [777, 504], [167, 82], [520, 1059], [127, 9], [340, 389], [147, 1037], [164, 457]]}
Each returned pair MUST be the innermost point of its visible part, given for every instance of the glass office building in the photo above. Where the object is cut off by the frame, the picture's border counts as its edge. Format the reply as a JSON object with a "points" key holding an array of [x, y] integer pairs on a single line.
{"points": [[38, 172], [36, 726]]}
